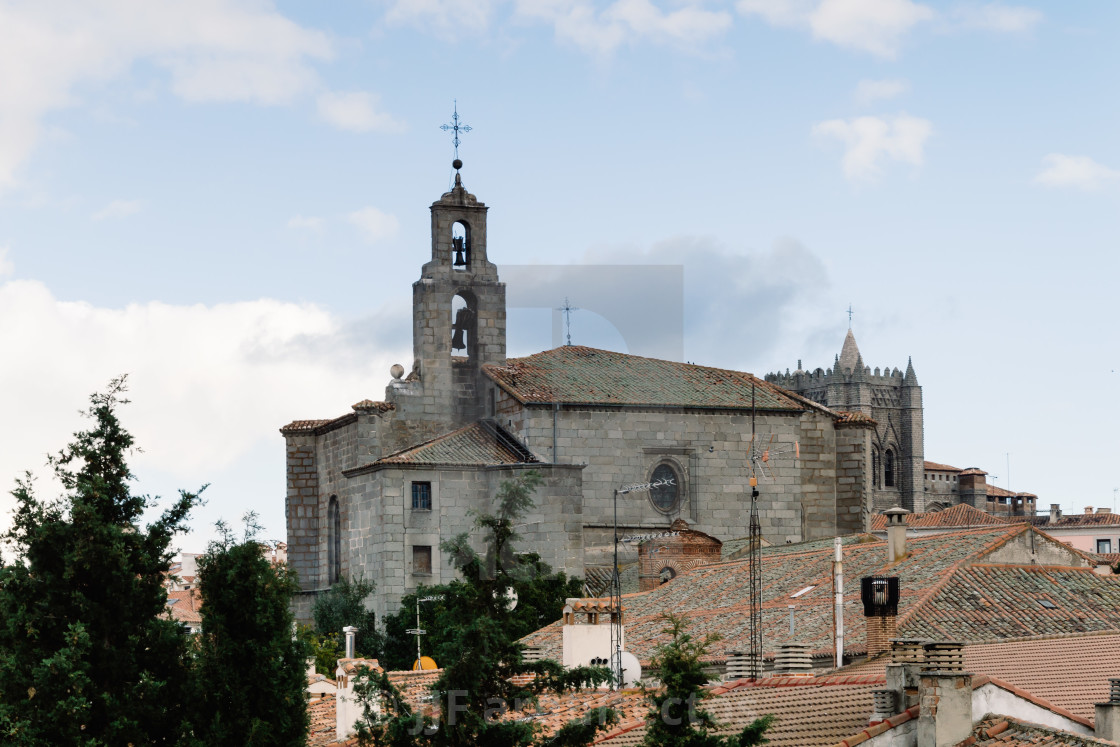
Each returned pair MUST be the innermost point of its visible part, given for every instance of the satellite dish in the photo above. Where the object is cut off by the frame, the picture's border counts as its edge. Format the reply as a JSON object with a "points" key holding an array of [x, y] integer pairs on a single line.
{"points": [[631, 669], [424, 663], [511, 598]]}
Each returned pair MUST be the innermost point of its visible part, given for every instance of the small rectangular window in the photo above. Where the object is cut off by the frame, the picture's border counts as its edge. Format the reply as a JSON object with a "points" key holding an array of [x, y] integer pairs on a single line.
{"points": [[422, 496], [1104, 545], [422, 559]]}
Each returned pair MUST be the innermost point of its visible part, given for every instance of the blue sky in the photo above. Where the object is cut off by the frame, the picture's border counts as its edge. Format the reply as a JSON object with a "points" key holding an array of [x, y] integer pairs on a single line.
{"points": [[228, 200]]}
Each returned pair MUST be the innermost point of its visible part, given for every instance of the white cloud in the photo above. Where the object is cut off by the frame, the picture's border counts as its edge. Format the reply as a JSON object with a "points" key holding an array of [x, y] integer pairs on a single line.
{"points": [[1079, 172], [595, 30], [210, 385], [6, 265], [355, 111], [1009, 19], [869, 91], [869, 141], [375, 224], [874, 26], [448, 18], [218, 50], [118, 209], [305, 222]]}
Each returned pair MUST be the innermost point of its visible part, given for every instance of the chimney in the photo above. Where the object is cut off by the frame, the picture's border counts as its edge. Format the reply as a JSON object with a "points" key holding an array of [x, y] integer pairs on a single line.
{"points": [[944, 696], [1055, 512], [904, 671], [1104, 510], [896, 533], [1108, 714], [741, 665], [880, 608], [1088, 509], [793, 659], [349, 631], [884, 706]]}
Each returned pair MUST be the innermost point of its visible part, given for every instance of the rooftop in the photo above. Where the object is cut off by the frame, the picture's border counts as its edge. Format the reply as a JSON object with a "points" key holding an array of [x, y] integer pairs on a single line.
{"points": [[574, 374], [480, 444], [960, 516]]}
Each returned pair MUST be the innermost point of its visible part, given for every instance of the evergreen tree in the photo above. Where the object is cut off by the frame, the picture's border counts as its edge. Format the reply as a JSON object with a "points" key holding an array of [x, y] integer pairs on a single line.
{"points": [[676, 718], [481, 658], [250, 669], [541, 595], [88, 654], [344, 605]]}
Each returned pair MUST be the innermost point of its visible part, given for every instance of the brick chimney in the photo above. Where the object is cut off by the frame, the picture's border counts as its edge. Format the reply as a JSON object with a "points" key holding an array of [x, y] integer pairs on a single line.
{"points": [[904, 671], [880, 608], [944, 696], [1108, 714], [896, 533]]}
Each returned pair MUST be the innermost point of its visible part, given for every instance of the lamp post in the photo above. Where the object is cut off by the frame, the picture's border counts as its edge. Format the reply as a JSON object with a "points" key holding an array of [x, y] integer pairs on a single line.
{"points": [[616, 582]]}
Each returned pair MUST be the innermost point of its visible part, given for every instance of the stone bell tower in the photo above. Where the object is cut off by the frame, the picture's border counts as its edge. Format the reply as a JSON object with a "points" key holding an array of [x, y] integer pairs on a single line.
{"points": [[458, 310]]}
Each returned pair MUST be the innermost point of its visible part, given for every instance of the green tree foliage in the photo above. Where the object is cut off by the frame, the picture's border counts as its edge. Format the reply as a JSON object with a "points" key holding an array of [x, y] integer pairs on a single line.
{"points": [[541, 594], [250, 668], [481, 658], [676, 718], [88, 655], [344, 605]]}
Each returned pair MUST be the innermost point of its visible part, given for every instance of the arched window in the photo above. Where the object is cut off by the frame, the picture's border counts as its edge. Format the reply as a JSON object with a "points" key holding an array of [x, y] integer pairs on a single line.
{"points": [[665, 496], [460, 245], [334, 541], [666, 575], [875, 459], [888, 468]]}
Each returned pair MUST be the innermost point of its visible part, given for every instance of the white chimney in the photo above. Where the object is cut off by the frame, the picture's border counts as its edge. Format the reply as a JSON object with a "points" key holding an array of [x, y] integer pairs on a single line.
{"points": [[350, 632], [944, 696], [896, 533], [838, 601], [1055, 513], [1108, 714]]}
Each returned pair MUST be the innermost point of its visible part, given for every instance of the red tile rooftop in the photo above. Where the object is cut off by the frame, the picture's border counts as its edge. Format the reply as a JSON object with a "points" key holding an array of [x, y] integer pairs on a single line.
{"points": [[961, 516]]}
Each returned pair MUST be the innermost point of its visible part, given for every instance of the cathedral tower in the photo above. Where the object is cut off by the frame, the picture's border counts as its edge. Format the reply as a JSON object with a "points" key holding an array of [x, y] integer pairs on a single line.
{"points": [[458, 310]]}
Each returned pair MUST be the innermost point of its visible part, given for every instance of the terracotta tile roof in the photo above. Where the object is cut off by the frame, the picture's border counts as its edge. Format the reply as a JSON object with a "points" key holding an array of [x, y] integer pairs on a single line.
{"points": [[580, 375], [987, 602], [370, 405], [934, 466], [1069, 671], [961, 515], [810, 710], [185, 606], [1075, 520], [480, 444], [1010, 732], [318, 427], [715, 598], [1001, 492], [323, 730], [845, 417]]}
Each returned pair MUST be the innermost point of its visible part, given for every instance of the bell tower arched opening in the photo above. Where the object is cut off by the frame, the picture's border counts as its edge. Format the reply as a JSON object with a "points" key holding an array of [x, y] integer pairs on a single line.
{"points": [[464, 325], [461, 246]]}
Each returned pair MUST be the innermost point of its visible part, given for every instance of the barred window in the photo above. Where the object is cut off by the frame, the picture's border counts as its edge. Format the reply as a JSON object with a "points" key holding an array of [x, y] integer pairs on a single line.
{"points": [[422, 496]]}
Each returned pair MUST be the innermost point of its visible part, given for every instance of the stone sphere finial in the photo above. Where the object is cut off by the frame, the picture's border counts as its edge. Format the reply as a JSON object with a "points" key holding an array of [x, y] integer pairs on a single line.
{"points": [[457, 164], [397, 371]]}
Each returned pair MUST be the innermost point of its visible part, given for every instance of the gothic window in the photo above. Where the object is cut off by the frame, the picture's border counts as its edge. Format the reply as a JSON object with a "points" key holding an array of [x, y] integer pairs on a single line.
{"points": [[665, 497], [422, 559], [422, 496], [460, 245], [888, 468], [334, 541]]}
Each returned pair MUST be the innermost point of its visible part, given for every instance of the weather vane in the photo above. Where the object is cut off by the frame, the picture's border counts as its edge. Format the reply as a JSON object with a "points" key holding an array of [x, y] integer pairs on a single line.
{"points": [[456, 128]]}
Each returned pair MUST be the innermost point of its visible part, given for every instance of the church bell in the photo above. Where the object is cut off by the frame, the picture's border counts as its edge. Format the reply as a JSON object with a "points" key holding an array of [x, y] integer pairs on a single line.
{"points": [[460, 260]]}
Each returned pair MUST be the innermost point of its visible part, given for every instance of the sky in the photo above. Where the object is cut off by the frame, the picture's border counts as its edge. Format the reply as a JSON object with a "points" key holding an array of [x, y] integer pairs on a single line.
{"points": [[226, 200]]}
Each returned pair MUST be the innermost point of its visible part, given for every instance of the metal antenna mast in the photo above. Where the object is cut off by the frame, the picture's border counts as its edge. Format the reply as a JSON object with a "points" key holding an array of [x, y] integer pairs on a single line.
{"points": [[754, 565]]}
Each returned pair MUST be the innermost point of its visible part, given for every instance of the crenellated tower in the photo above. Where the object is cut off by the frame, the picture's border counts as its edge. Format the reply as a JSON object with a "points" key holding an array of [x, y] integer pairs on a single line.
{"points": [[893, 399]]}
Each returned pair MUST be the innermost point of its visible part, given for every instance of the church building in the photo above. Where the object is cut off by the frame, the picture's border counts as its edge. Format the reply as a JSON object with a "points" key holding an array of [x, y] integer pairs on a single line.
{"points": [[375, 491]]}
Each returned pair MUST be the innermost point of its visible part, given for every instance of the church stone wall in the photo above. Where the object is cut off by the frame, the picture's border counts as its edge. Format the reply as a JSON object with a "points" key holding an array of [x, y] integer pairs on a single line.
{"points": [[708, 450], [302, 510]]}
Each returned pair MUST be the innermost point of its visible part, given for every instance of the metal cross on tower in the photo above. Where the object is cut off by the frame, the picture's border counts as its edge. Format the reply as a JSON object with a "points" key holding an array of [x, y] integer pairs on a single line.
{"points": [[850, 312], [567, 308], [456, 128]]}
